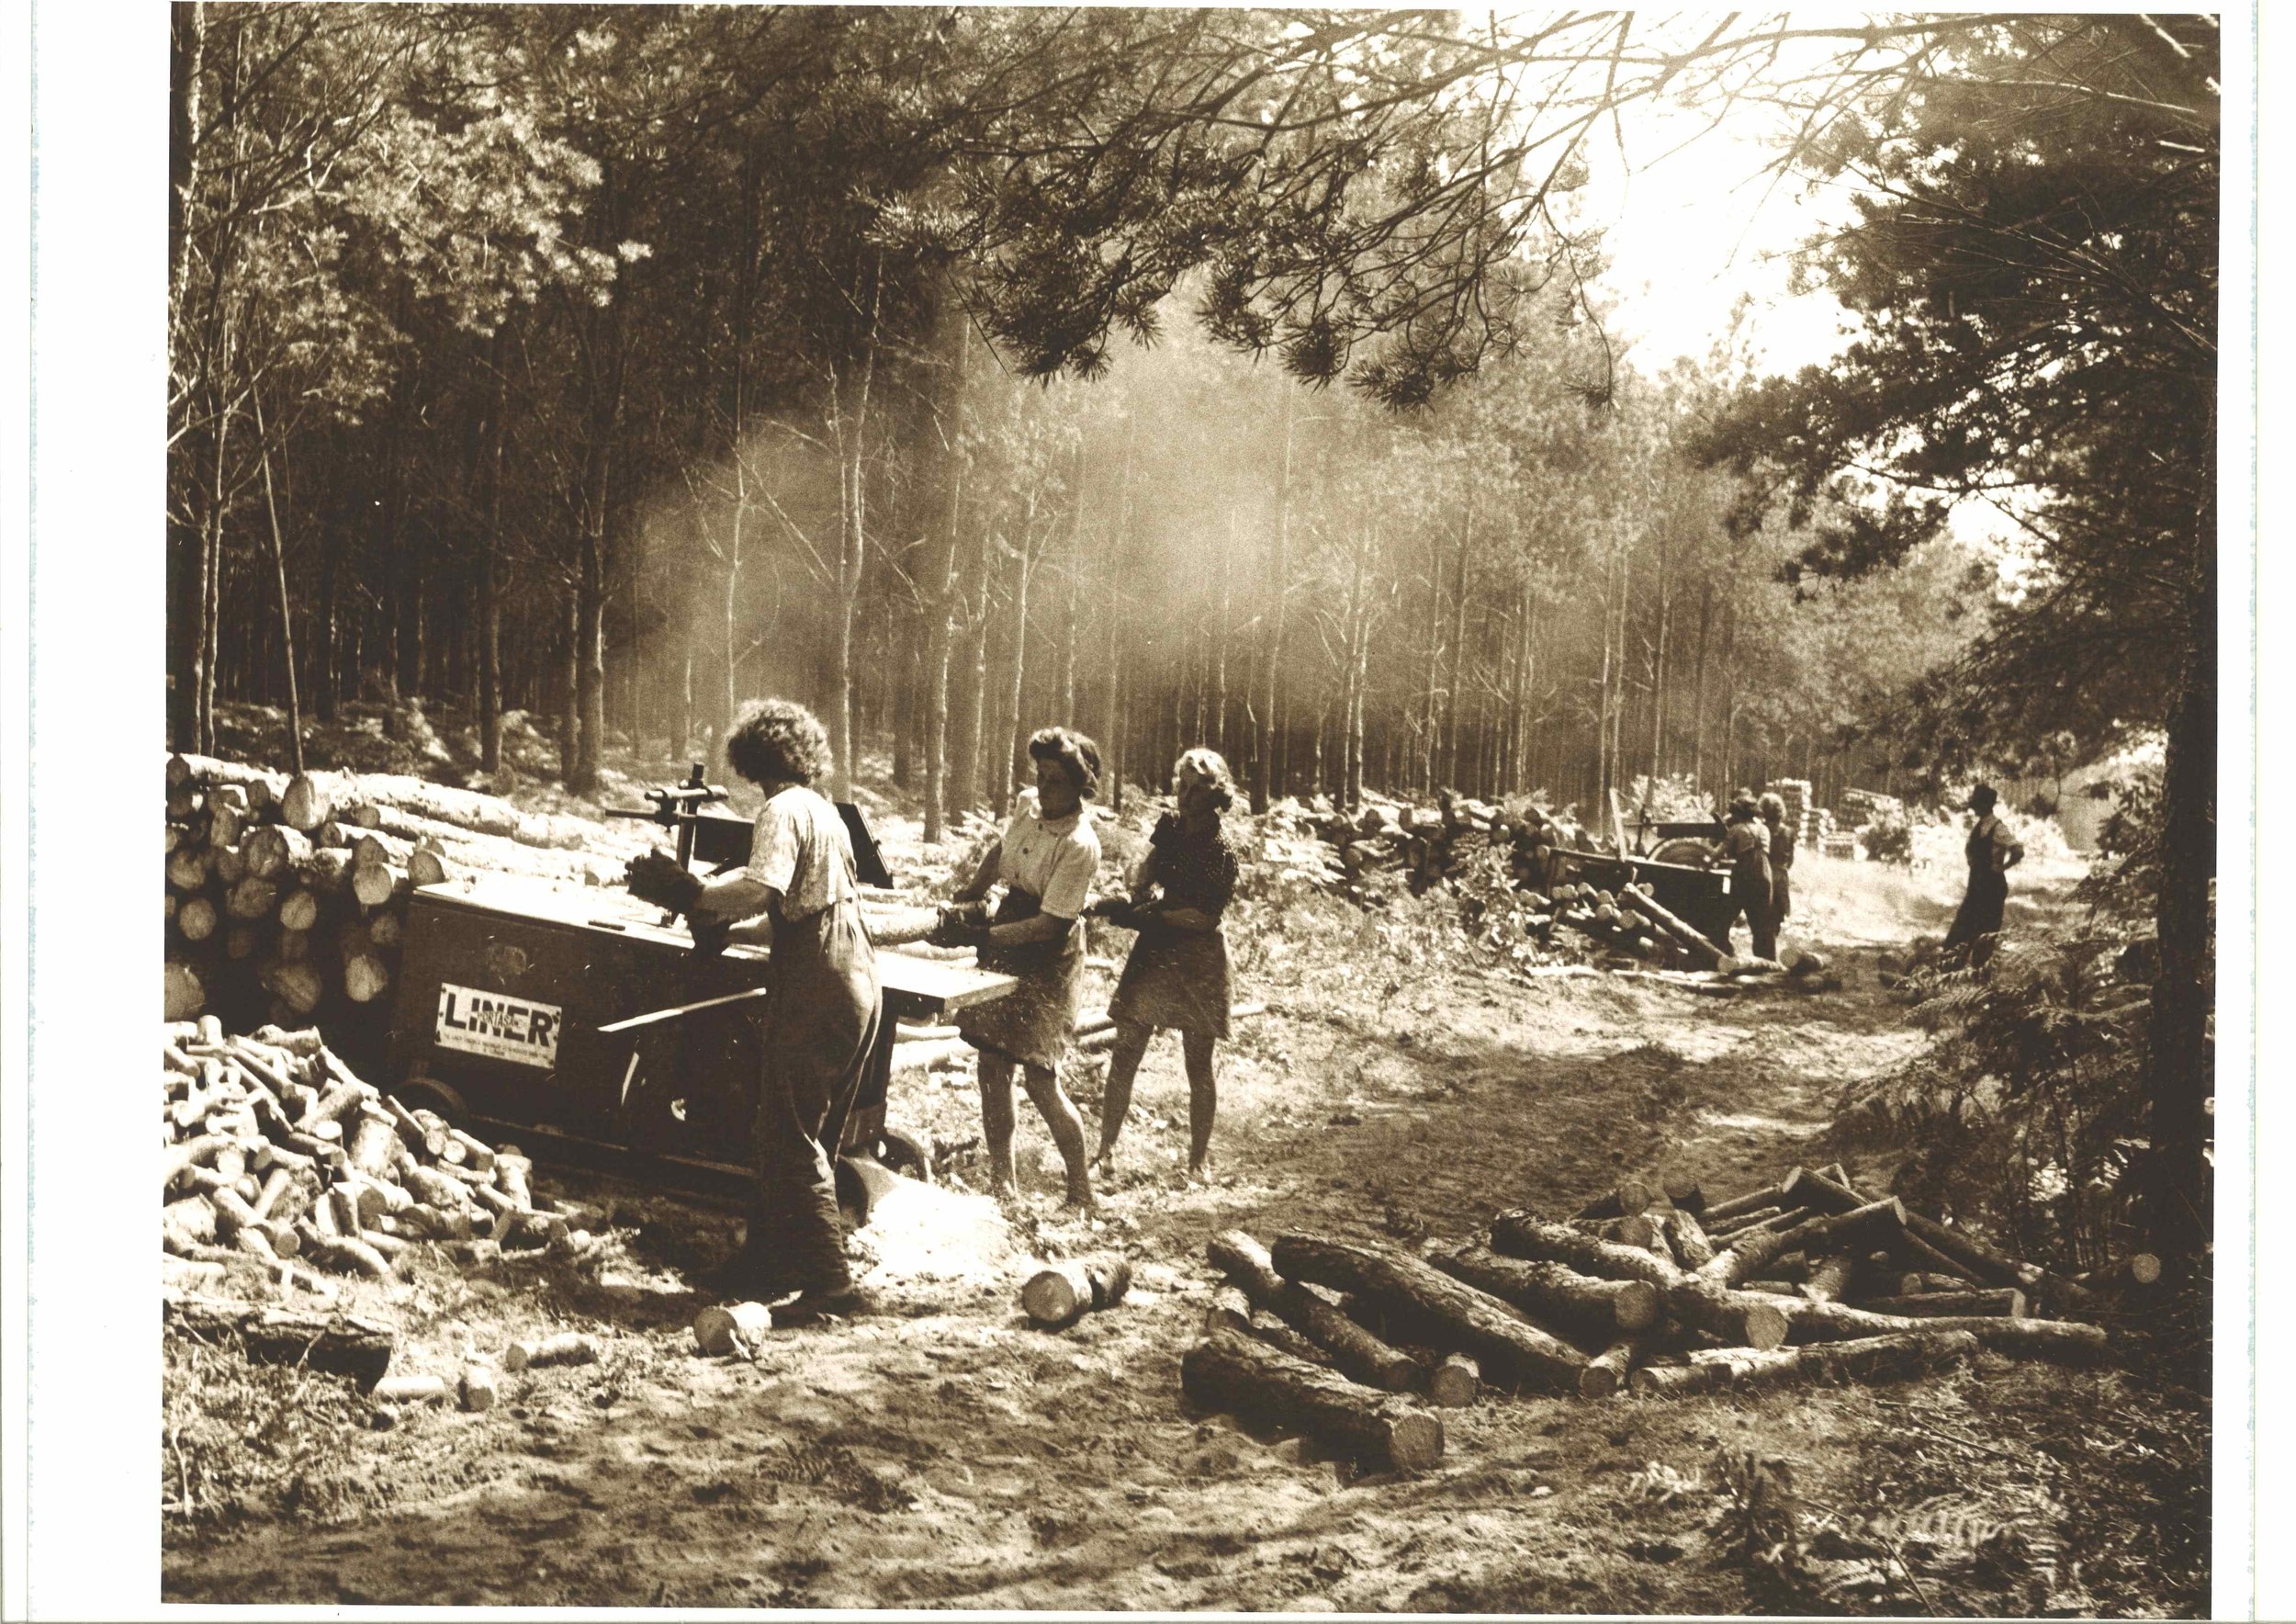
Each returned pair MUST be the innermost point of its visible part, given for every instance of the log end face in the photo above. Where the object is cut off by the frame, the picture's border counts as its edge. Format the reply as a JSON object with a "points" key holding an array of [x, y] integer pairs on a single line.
{"points": [[1636, 1305], [1766, 1327], [1415, 1441]]}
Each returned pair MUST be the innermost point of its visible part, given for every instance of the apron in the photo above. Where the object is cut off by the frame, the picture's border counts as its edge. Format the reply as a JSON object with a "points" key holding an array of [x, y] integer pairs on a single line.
{"points": [[1030, 1024]]}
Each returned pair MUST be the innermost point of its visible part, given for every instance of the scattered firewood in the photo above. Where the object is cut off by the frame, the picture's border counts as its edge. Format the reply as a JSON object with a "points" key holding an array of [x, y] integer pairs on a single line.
{"points": [[2007, 1302], [1231, 1372], [718, 1330], [1555, 1292], [1059, 1295], [1475, 1322], [1695, 1299], [1352, 1347], [567, 1348], [340, 1344]]}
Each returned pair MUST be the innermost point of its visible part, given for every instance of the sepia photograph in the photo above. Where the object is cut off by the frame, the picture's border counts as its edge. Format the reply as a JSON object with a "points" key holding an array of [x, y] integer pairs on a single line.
{"points": [[1104, 809]]}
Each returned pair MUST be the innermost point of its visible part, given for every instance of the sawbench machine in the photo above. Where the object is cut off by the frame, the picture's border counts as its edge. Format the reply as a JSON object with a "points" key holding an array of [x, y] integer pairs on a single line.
{"points": [[1678, 862], [580, 1022]]}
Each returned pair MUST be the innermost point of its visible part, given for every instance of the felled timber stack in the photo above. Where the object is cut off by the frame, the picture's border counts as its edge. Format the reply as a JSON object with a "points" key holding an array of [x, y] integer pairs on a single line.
{"points": [[273, 1149], [1648, 1288], [1426, 845], [1800, 808]]}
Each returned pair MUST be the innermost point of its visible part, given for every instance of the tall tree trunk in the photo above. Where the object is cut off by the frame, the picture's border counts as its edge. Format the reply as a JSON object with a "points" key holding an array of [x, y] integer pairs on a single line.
{"points": [[490, 555], [1017, 739], [570, 684], [1698, 686], [1267, 773], [1452, 683], [850, 431], [941, 576], [286, 618], [970, 777], [2180, 1076], [211, 581]]}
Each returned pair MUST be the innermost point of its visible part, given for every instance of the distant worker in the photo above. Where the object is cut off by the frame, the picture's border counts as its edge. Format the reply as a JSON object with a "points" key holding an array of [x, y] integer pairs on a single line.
{"points": [[1046, 860], [1781, 863], [823, 1009], [1992, 851], [1176, 978], [1746, 846]]}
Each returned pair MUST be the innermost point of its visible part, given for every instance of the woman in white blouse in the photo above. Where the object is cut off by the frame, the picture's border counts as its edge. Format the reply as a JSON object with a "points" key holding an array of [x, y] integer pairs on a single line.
{"points": [[1046, 862]]}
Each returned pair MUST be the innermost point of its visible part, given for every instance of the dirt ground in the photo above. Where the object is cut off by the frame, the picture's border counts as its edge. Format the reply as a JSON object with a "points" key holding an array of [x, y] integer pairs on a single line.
{"points": [[945, 1453]]}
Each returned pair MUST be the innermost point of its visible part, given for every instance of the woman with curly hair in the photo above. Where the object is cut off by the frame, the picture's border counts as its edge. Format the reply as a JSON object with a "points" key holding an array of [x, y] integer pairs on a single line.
{"points": [[1046, 860], [822, 1011], [1177, 976]]}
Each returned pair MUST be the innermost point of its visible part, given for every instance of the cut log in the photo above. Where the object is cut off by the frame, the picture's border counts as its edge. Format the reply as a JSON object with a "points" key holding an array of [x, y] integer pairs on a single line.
{"points": [[567, 1348], [1629, 1197], [340, 1344], [1058, 1296], [196, 918], [181, 994], [1684, 1192], [718, 1330], [2007, 1302], [1608, 1371], [251, 898], [225, 821], [1687, 1237], [383, 929], [1508, 1345], [303, 806], [481, 1386], [2138, 1269], [1732, 1316], [1455, 1381], [1232, 1309], [1231, 1372], [426, 865], [241, 941], [1989, 1267], [298, 909], [1829, 1278], [413, 1390], [1873, 1358], [2069, 1341], [1854, 1230], [1356, 1350], [274, 851], [416, 1134], [188, 868], [297, 984], [1702, 950], [364, 977], [1554, 1292], [1720, 1213], [373, 883]]}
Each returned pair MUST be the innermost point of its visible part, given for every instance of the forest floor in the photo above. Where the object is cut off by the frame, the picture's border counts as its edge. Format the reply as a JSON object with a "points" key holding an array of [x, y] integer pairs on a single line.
{"points": [[945, 1453]]}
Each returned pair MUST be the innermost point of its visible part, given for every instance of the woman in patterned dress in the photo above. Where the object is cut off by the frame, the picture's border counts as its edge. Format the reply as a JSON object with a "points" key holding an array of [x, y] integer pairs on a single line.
{"points": [[1176, 978], [1046, 860]]}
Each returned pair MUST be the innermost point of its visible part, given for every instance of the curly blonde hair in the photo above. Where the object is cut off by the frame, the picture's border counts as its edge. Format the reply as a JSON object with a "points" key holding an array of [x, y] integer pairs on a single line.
{"points": [[778, 741], [1211, 767]]}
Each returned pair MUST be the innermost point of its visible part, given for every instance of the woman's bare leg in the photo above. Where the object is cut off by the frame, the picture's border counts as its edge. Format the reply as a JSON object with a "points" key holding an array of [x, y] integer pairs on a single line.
{"points": [[996, 1120], [1068, 1128], [1124, 1057], [1203, 1097]]}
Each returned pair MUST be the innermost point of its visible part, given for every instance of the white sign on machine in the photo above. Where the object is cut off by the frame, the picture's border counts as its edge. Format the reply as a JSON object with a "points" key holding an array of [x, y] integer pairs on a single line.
{"points": [[499, 1026]]}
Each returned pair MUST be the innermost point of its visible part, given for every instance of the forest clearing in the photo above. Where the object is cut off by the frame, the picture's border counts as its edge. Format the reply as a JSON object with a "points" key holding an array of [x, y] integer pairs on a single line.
{"points": [[1404, 1083], [1190, 809]]}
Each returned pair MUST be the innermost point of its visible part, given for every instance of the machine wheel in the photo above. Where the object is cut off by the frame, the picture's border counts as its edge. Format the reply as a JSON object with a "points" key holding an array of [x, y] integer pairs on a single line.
{"points": [[1687, 852], [421, 1093]]}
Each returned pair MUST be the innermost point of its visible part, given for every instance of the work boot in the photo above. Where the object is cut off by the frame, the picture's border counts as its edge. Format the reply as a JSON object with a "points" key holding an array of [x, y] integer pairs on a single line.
{"points": [[846, 1301]]}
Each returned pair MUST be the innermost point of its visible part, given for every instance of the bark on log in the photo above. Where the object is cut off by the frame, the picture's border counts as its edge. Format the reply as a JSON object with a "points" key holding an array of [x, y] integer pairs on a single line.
{"points": [[1989, 1267], [1505, 1341], [1555, 1293], [1688, 1238], [1857, 1228], [340, 1344], [1608, 1371], [1701, 949], [2067, 1340], [1829, 1278], [1875, 1358], [2007, 1302], [1232, 1309], [1058, 1296], [567, 1348], [1628, 1199], [1694, 1298], [1353, 1349], [1753, 1200], [1455, 1381], [1231, 1372]]}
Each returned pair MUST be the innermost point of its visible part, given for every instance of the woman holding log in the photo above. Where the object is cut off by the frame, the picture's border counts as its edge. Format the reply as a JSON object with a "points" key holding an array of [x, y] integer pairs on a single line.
{"points": [[1992, 852], [1177, 976], [1780, 862], [822, 1011], [1046, 860]]}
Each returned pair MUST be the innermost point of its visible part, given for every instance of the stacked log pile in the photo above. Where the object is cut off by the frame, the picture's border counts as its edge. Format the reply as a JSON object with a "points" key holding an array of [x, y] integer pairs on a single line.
{"points": [[273, 1149], [1649, 1289], [286, 896], [1428, 844]]}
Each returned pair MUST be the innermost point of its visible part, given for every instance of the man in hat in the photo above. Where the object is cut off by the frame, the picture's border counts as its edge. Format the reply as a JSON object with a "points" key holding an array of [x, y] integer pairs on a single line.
{"points": [[1746, 846], [1992, 852]]}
